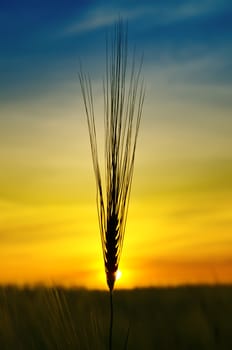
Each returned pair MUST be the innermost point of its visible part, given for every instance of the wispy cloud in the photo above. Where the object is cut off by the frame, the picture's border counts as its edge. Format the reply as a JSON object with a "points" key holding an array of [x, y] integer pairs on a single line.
{"points": [[187, 10], [100, 16], [203, 67], [201, 79]]}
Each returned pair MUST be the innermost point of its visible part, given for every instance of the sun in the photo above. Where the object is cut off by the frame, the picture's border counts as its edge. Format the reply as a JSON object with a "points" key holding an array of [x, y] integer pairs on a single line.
{"points": [[118, 275]]}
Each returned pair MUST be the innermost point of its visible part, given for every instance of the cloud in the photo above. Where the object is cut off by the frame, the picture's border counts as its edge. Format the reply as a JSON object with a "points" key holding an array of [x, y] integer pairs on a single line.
{"points": [[161, 14], [100, 17], [187, 10], [196, 75]]}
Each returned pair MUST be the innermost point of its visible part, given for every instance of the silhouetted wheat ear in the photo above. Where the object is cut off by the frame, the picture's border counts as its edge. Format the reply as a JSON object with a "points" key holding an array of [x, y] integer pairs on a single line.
{"points": [[123, 102]]}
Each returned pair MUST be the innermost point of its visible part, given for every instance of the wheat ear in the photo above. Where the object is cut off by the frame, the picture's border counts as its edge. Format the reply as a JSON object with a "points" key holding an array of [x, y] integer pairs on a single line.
{"points": [[123, 102]]}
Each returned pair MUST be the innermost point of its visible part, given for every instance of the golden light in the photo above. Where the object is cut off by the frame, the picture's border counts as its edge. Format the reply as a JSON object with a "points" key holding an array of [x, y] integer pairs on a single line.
{"points": [[118, 275]]}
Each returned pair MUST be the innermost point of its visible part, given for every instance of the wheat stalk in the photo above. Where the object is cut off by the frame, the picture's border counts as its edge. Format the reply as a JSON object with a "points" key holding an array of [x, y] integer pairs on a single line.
{"points": [[123, 102]]}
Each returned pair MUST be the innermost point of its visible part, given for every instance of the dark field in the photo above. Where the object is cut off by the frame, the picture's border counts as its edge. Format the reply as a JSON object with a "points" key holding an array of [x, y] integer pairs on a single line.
{"points": [[177, 318]]}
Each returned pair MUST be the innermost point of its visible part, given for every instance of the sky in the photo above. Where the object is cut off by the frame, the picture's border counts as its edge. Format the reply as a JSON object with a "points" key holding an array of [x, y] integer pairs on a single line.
{"points": [[179, 227]]}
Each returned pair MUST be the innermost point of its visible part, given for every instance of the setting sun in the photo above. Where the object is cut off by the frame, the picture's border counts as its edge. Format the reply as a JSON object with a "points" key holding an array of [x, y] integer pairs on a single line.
{"points": [[118, 275]]}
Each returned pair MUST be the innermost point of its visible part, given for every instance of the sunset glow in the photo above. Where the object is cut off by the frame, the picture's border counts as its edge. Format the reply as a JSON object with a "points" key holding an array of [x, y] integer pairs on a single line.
{"points": [[179, 227]]}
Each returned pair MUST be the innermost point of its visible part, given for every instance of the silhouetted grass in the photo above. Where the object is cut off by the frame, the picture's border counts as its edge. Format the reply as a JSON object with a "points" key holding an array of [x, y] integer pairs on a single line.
{"points": [[157, 318]]}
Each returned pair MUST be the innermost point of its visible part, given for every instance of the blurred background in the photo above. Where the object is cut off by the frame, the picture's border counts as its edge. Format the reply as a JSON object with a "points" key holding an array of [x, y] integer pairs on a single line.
{"points": [[180, 215]]}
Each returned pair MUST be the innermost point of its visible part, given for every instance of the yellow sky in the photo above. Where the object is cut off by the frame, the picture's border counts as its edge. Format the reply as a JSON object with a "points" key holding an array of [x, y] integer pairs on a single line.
{"points": [[179, 227], [180, 217]]}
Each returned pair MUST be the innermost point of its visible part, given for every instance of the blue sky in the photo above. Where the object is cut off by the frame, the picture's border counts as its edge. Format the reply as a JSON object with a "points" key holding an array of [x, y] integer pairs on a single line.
{"points": [[41, 42]]}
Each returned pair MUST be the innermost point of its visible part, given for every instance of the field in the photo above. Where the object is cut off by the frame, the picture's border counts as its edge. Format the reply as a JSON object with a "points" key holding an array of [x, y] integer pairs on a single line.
{"points": [[191, 318]]}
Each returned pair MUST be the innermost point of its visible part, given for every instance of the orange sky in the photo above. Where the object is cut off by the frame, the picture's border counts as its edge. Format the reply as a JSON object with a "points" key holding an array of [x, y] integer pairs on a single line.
{"points": [[171, 238], [180, 216]]}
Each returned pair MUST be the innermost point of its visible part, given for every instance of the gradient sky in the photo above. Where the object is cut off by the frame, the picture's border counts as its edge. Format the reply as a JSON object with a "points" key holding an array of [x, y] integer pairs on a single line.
{"points": [[179, 227]]}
